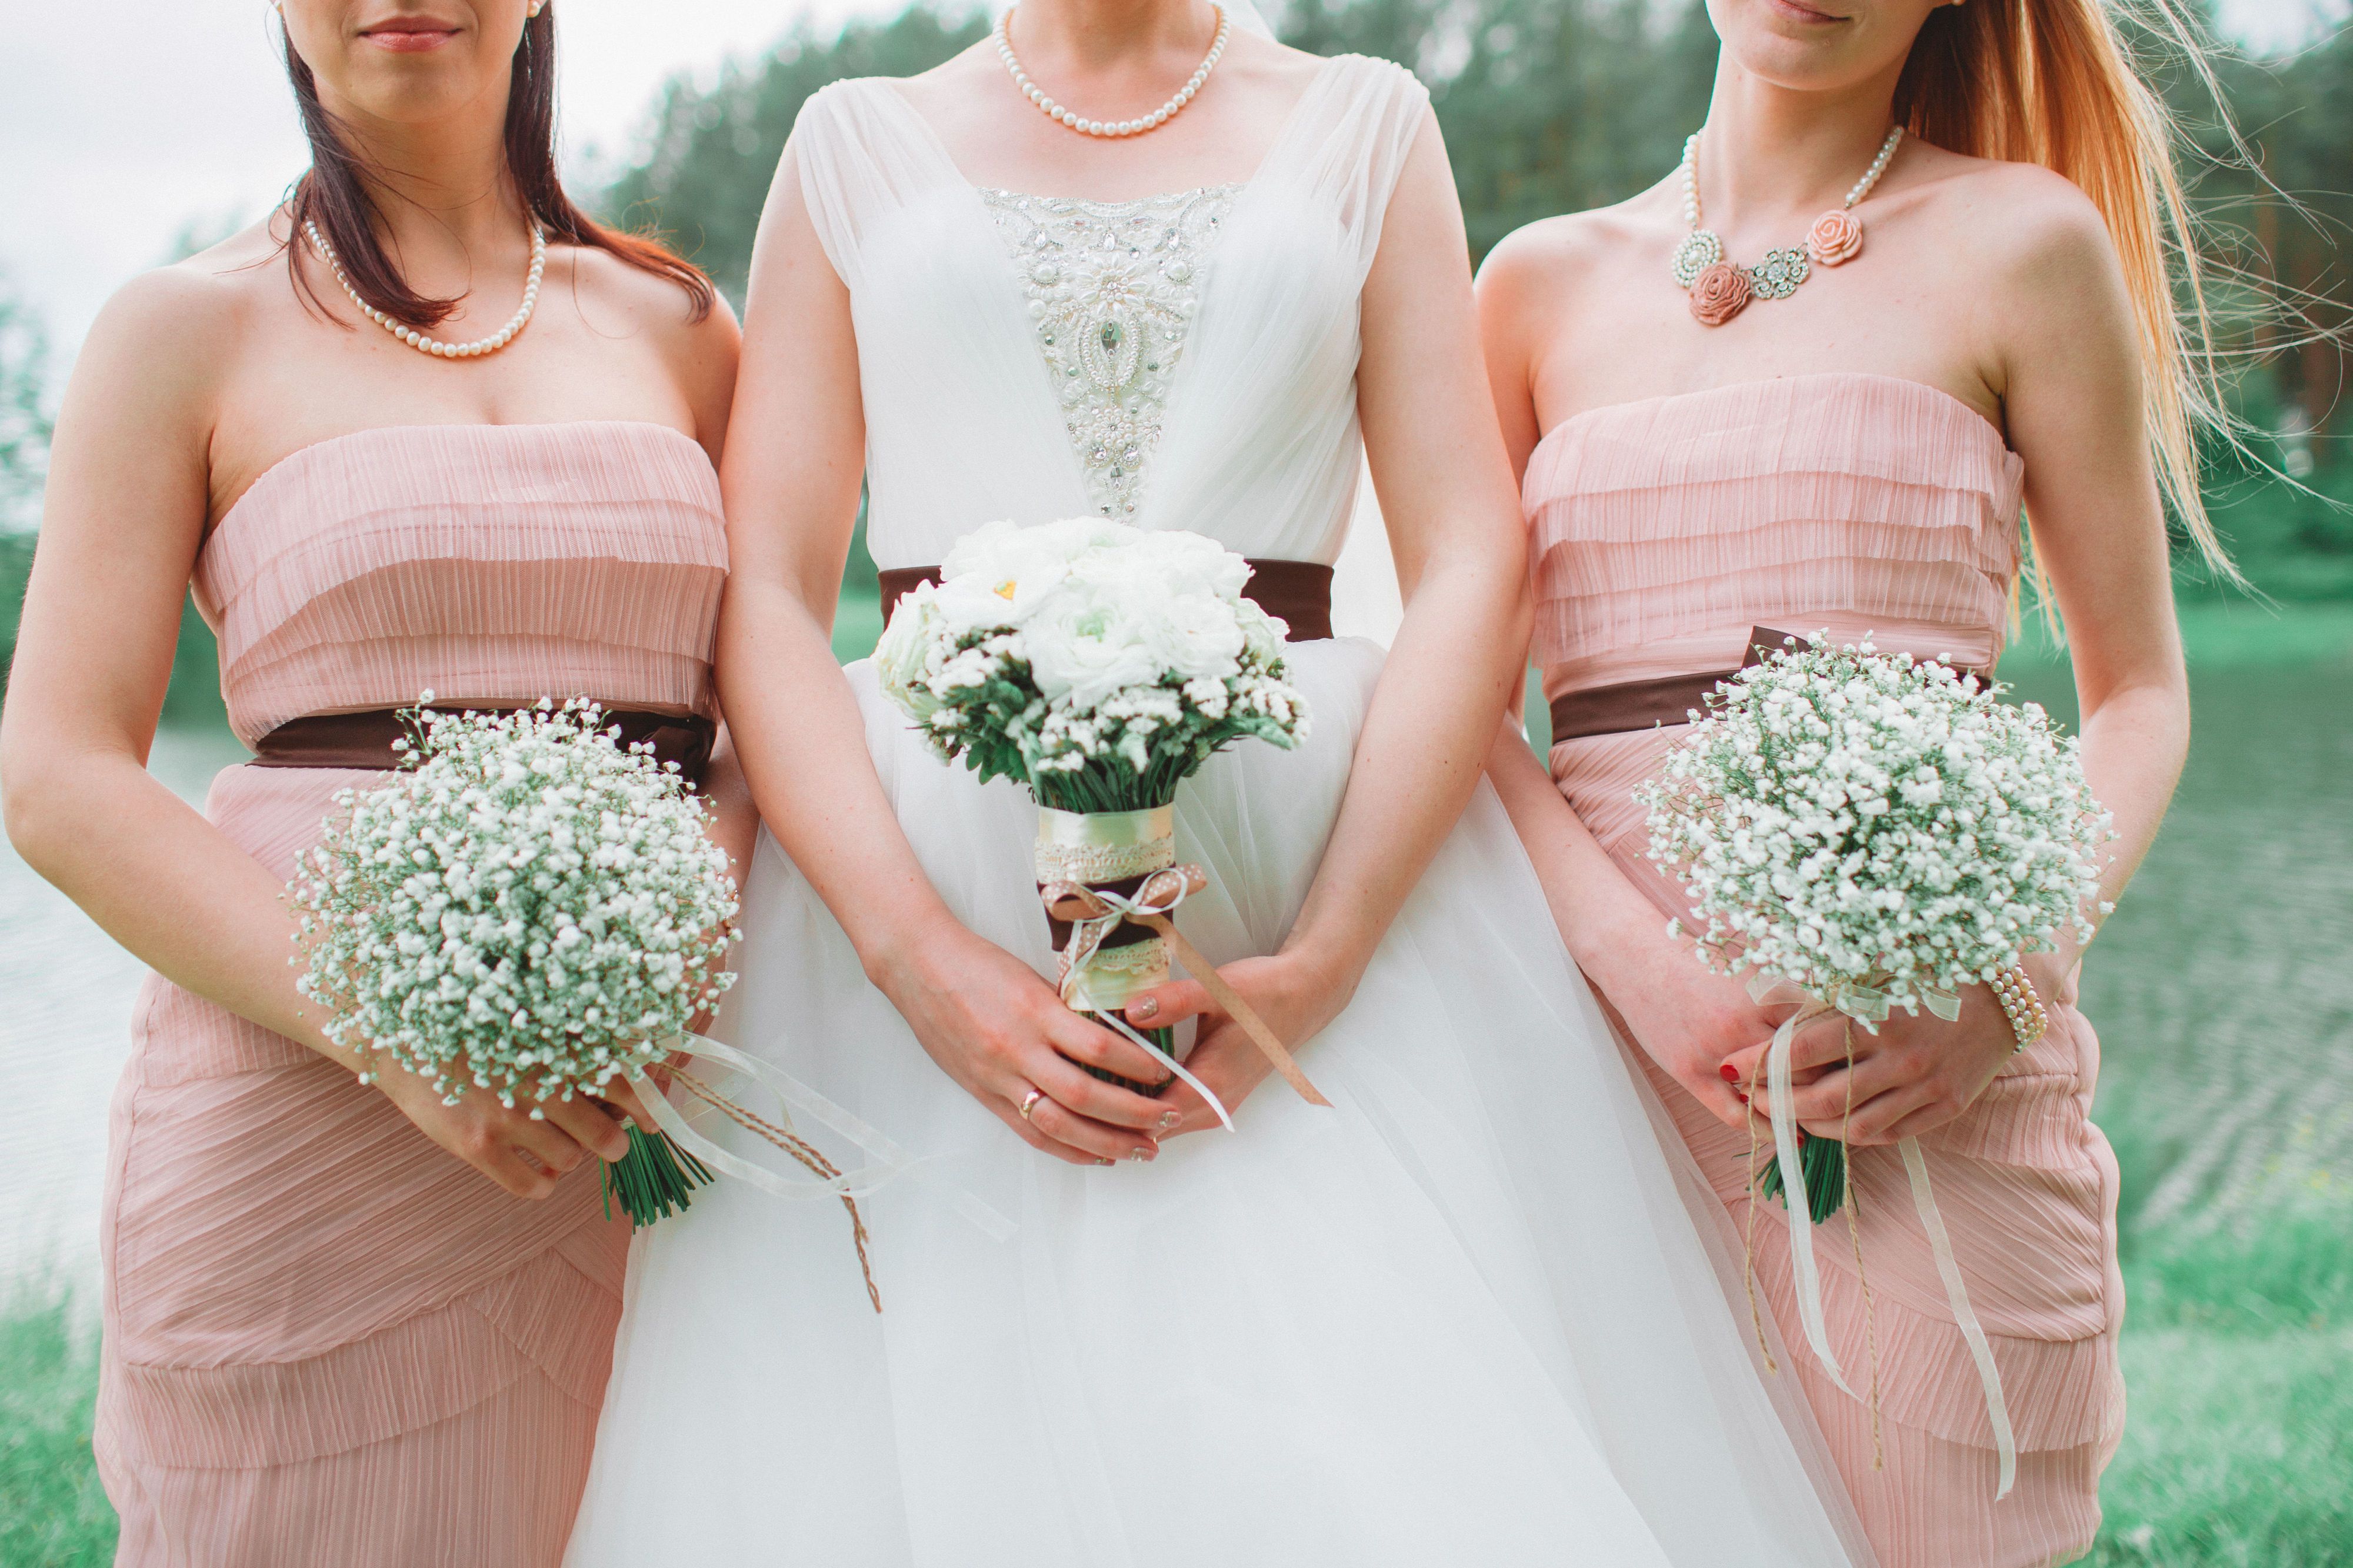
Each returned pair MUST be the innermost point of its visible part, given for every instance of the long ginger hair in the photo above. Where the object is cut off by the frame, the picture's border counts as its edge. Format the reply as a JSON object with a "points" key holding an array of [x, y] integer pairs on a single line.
{"points": [[2052, 82]]}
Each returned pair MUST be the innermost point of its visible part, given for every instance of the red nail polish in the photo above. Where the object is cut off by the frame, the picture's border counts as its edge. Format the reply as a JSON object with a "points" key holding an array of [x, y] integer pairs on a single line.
{"points": [[1731, 1074], [1744, 1099]]}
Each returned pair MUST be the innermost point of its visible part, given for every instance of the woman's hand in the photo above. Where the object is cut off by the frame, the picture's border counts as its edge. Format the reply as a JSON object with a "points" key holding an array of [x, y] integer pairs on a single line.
{"points": [[1694, 1023], [521, 1152], [1912, 1076], [1293, 996], [1001, 1032]]}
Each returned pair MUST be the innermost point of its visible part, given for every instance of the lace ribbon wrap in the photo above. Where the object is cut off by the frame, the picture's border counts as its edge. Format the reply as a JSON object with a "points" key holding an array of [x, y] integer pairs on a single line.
{"points": [[1110, 883]]}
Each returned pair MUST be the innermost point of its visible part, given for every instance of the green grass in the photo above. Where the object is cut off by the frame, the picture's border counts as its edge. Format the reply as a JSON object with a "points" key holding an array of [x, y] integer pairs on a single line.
{"points": [[2225, 1009], [52, 1512], [2238, 1445]]}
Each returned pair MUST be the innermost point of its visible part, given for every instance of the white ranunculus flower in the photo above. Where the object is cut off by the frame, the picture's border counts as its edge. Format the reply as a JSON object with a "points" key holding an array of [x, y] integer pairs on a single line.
{"points": [[903, 654], [1082, 654]]}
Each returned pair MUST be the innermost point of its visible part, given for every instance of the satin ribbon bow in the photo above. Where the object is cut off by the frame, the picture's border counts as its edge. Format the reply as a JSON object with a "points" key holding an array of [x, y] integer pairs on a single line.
{"points": [[1094, 913], [1868, 1005]]}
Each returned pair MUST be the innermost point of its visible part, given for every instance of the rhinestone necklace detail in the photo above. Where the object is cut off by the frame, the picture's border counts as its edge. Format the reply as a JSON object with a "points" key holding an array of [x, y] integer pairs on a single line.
{"points": [[1721, 290], [1151, 122], [419, 340]]}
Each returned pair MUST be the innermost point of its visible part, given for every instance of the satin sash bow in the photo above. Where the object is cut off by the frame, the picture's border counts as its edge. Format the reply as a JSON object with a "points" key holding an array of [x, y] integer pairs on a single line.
{"points": [[1868, 1005], [1095, 912]]}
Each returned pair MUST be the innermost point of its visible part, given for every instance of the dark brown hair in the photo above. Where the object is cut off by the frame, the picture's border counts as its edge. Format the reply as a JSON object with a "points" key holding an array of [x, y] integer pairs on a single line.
{"points": [[334, 196]]}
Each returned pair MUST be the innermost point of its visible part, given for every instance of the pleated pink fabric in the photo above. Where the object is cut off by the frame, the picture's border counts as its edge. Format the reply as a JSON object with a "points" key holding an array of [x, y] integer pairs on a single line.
{"points": [[327, 1340], [1660, 531]]}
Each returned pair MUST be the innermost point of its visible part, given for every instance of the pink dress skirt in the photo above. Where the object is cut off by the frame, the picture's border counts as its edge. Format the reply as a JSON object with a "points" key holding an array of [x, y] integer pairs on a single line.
{"points": [[1660, 532], [326, 1341]]}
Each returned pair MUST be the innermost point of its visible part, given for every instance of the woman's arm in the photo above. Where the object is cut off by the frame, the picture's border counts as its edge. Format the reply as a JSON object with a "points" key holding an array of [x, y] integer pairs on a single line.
{"points": [[989, 1019], [1445, 489], [127, 500], [2059, 328], [1687, 1019]]}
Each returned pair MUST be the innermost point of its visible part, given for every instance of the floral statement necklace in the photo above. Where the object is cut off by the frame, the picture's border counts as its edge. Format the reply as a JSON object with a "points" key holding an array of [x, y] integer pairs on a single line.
{"points": [[1151, 122], [1721, 290]]}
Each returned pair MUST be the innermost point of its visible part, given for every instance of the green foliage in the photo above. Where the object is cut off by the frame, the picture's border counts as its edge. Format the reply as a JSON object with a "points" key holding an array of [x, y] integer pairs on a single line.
{"points": [[53, 1513], [714, 153]]}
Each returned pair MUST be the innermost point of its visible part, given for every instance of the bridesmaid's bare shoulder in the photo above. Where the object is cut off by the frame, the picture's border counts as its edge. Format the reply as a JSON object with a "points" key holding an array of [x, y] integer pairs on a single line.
{"points": [[1541, 270], [167, 343], [699, 348]]}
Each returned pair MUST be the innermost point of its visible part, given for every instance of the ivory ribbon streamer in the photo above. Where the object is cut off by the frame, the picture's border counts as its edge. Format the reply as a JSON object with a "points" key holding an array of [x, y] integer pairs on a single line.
{"points": [[2005, 1442], [793, 1094], [1868, 1005], [1102, 912]]}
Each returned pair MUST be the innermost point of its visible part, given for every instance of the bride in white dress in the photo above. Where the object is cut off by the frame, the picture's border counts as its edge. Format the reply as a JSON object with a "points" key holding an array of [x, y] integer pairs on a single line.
{"points": [[1463, 1316]]}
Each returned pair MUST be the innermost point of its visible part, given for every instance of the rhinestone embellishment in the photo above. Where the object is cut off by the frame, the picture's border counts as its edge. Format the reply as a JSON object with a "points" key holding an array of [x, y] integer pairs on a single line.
{"points": [[1111, 288], [1778, 276]]}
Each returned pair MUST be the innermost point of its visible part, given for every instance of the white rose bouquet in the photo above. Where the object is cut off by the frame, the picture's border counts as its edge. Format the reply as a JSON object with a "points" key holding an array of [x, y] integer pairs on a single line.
{"points": [[1871, 833], [529, 908], [1100, 665]]}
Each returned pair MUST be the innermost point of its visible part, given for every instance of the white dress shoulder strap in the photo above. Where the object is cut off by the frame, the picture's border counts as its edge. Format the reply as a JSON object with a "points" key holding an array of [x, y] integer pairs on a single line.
{"points": [[1347, 143], [864, 154]]}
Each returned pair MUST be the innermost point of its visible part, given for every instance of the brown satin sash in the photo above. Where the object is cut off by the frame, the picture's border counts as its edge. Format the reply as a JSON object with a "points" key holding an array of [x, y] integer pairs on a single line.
{"points": [[363, 740], [1668, 699], [1296, 593]]}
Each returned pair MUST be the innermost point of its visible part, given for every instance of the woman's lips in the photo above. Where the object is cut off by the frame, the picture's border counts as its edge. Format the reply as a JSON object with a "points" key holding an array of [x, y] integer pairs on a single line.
{"points": [[410, 37], [1798, 12]]}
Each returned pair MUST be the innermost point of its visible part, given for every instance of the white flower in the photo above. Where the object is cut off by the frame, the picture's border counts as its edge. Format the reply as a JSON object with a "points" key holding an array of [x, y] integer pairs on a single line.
{"points": [[1843, 818], [532, 908]]}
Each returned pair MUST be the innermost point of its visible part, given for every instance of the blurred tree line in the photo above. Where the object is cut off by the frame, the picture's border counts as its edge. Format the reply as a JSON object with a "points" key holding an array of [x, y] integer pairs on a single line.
{"points": [[1551, 106]]}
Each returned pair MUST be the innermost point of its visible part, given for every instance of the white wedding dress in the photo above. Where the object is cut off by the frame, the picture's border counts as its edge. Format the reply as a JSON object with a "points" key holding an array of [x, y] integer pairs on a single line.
{"points": [[1464, 1316]]}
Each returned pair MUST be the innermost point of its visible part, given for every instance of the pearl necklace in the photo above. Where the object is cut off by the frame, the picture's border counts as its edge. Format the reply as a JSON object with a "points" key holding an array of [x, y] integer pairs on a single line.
{"points": [[419, 340], [1151, 122], [1720, 289]]}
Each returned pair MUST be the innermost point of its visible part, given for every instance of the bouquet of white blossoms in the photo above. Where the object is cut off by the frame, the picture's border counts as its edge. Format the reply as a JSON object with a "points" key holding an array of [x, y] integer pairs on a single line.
{"points": [[1871, 833], [1101, 665], [528, 908]]}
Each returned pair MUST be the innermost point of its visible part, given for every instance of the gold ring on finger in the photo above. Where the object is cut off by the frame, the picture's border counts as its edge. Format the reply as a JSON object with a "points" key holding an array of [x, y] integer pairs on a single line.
{"points": [[1029, 1102]]}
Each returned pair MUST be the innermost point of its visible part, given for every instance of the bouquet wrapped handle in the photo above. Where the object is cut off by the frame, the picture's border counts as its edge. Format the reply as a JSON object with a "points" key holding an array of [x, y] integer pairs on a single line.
{"points": [[1094, 911]]}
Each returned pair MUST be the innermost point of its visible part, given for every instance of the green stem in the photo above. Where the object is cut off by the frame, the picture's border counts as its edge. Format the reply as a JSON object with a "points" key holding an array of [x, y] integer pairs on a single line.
{"points": [[1822, 1162], [654, 1180]]}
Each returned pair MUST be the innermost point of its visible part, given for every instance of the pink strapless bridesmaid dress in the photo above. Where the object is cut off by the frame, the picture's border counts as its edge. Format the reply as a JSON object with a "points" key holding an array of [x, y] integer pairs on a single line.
{"points": [[327, 1341], [1660, 532]]}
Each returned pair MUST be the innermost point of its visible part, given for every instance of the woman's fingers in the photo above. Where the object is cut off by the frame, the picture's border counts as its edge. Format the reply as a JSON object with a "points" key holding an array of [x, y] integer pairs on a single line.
{"points": [[1057, 1121], [589, 1124], [544, 1141], [1045, 1145], [1097, 1047], [624, 1098], [1091, 1097], [1172, 1002]]}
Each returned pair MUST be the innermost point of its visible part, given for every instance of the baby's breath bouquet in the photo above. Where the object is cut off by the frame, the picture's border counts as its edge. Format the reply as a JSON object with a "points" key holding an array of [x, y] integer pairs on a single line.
{"points": [[1870, 833], [1100, 665], [527, 907]]}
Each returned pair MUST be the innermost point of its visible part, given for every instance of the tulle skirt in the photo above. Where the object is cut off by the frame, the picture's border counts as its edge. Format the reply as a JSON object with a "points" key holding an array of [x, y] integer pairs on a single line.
{"points": [[1464, 1315]]}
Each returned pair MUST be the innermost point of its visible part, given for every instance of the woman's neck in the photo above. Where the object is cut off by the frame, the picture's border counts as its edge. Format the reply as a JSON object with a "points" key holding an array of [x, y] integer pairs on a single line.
{"points": [[1109, 35], [1771, 156], [440, 188]]}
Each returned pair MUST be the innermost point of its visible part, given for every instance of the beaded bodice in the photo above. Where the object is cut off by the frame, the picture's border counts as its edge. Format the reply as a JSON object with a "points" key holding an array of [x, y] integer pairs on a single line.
{"points": [[1111, 288]]}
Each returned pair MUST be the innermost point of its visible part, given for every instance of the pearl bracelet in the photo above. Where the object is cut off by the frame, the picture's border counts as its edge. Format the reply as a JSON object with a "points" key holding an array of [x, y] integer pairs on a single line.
{"points": [[2019, 1003]]}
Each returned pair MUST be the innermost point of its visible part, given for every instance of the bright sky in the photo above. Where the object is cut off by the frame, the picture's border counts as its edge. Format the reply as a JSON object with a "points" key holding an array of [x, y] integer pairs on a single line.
{"points": [[122, 122]]}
